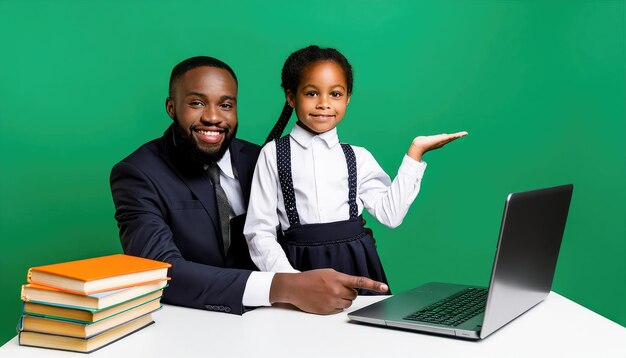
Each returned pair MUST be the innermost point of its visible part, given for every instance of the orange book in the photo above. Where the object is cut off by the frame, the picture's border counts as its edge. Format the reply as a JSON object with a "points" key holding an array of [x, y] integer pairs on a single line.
{"points": [[99, 274]]}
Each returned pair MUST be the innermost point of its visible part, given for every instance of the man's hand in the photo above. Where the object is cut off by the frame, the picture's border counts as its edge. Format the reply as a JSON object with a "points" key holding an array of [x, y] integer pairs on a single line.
{"points": [[323, 291], [423, 144]]}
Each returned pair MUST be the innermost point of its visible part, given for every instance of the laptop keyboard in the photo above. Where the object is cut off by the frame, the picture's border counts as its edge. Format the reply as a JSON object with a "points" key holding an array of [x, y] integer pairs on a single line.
{"points": [[453, 310]]}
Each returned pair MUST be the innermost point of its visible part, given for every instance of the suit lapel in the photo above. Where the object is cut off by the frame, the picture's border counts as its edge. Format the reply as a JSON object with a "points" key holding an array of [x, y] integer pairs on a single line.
{"points": [[240, 160], [201, 187], [195, 179]]}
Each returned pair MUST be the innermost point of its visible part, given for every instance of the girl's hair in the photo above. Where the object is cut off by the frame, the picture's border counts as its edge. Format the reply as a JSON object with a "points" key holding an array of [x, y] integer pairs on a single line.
{"points": [[292, 73]]}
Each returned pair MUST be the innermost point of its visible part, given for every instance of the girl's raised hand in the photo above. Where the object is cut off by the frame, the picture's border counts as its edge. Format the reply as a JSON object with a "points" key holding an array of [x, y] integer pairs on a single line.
{"points": [[423, 144]]}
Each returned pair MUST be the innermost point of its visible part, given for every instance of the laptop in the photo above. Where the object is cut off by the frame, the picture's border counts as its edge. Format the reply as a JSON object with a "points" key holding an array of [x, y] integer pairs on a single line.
{"points": [[530, 238]]}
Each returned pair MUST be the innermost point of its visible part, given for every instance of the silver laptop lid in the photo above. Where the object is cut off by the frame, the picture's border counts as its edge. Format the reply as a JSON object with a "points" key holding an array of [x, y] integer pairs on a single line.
{"points": [[532, 227]]}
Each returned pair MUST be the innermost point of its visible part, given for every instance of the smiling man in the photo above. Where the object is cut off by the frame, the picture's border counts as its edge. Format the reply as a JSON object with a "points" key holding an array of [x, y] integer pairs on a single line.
{"points": [[182, 199], [206, 126]]}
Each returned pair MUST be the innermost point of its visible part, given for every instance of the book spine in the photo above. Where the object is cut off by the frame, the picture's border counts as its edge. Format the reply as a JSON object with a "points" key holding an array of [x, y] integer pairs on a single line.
{"points": [[23, 295], [20, 324]]}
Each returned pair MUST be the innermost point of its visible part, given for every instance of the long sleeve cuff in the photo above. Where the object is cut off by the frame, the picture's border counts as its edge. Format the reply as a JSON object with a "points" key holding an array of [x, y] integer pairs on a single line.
{"points": [[412, 167], [257, 291]]}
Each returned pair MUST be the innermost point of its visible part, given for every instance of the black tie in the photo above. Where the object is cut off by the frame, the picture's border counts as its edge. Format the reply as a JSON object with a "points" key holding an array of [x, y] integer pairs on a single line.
{"points": [[223, 206]]}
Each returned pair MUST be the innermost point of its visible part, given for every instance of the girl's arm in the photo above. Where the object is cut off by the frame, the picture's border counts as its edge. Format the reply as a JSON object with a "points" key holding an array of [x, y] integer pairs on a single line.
{"points": [[262, 217], [389, 201], [385, 200]]}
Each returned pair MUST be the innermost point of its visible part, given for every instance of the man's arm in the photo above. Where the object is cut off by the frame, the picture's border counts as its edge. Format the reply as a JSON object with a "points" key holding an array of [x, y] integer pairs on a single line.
{"points": [[144, 231], [323, 291]]}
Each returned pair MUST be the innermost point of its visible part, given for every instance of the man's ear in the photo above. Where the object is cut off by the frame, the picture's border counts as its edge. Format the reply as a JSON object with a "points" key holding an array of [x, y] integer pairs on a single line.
{"points": [[290, 98], [169, 107]]}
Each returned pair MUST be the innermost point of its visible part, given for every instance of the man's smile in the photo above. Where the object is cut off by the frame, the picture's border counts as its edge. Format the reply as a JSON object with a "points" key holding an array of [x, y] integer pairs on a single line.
{"points": [[209, 135]]}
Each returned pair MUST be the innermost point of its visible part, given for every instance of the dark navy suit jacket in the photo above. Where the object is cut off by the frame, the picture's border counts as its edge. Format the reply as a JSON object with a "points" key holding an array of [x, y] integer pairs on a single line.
{"points": [[166, 210]]}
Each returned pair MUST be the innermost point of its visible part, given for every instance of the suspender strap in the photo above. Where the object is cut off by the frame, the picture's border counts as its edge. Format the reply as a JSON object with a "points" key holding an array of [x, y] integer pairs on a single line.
{"points": [[351, 163], [283, 156]]}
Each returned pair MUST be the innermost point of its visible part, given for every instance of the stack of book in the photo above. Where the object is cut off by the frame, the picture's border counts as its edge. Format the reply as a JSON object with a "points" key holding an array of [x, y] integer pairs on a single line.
{"points": [[87, 304]]}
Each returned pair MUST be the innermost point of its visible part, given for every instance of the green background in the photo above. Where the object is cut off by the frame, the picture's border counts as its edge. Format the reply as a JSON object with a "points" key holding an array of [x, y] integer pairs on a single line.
{"points": [[539, 85]]}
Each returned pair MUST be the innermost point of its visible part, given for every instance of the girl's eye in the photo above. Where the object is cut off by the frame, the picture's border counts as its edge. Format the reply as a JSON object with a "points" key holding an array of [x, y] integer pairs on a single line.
{"points": [[311, 94], [336, 94]]}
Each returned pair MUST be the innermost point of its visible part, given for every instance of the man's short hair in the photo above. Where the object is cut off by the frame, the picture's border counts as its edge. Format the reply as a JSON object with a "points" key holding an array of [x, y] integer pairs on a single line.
{"points": [[195, 62]]}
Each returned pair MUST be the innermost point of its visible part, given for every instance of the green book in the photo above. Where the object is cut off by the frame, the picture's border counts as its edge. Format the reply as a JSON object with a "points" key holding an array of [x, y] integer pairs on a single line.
{"points": [[84, 345], [80, 329], [79, 315]]}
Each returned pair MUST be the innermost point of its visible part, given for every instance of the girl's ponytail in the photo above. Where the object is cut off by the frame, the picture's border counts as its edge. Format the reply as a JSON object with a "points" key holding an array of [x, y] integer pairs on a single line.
{"points": [[281, 123]]}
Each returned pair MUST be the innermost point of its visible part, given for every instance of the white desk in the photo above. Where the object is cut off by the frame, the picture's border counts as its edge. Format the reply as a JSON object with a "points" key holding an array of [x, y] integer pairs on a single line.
{"points": [[557, 327]]}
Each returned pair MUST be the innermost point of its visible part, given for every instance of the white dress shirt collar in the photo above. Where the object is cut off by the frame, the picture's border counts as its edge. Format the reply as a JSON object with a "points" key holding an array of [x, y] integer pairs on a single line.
{"points": [[304, 137], [225, 165]]}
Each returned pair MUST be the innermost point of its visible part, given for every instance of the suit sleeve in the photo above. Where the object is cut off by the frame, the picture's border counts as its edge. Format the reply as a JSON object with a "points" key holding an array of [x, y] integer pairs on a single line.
{"points": [[144, 231]]}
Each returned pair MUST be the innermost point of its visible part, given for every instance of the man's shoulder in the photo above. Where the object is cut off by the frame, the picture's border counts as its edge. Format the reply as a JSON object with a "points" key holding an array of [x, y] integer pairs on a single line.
{"points": [[248, 148], [146, 155], [146, 152]]}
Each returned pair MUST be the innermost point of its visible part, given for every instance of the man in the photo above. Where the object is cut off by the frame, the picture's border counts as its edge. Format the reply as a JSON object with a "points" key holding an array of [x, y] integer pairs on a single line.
{"points": [[172, 194]]}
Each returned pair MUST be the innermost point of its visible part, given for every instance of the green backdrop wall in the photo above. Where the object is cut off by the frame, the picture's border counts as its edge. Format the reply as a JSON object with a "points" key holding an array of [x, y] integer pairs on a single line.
{"points": [[540, 86]]}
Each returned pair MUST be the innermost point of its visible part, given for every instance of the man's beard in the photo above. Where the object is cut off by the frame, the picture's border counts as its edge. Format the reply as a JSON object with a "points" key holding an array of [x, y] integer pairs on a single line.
{"points": [[189, 147]]}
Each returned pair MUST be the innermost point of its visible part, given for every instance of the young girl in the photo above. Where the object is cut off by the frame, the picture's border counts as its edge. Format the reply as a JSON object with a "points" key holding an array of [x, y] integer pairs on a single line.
{"points": [[309, 189]]}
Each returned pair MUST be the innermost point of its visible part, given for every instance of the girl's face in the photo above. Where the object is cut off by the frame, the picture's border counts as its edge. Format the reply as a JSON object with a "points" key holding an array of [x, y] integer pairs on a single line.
{"points": [[321, 98]]}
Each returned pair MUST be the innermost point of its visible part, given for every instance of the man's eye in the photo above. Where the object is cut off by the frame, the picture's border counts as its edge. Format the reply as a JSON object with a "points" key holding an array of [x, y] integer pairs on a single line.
{"points": [[196, 103], [226, 105]]}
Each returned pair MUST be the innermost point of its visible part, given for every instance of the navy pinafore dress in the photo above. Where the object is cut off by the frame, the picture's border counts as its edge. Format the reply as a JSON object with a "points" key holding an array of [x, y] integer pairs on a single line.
{"points": [[341, 245]]}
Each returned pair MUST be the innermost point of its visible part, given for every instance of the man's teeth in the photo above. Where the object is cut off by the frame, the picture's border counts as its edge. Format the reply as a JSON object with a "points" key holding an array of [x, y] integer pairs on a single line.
{"points": [[209, 133]]}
